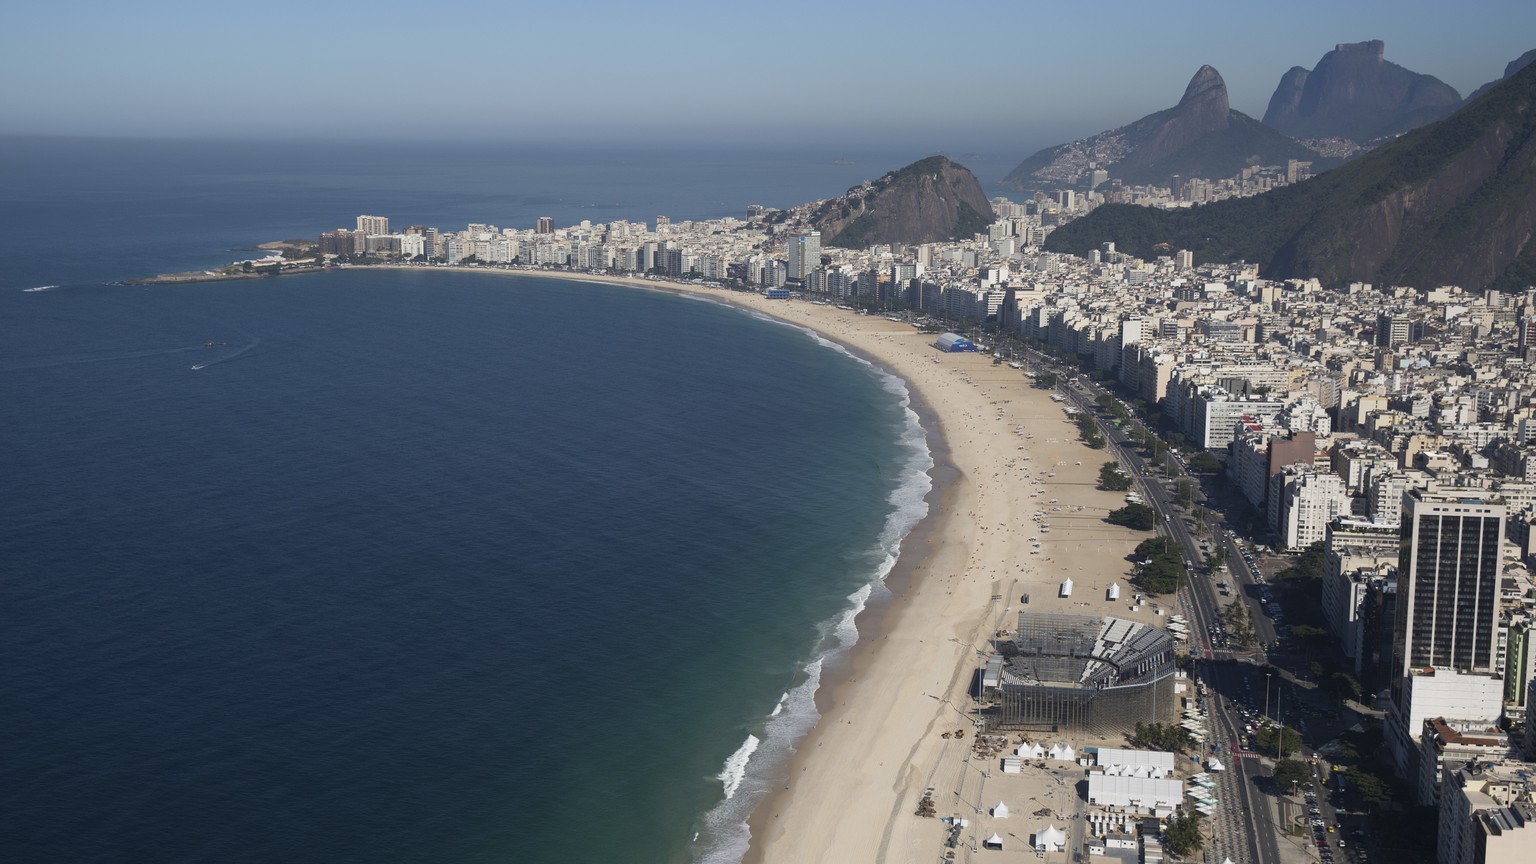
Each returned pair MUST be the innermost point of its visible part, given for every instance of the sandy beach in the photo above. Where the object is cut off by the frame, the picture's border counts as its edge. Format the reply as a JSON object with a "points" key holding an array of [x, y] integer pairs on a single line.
{"points": [[1005, 454]]}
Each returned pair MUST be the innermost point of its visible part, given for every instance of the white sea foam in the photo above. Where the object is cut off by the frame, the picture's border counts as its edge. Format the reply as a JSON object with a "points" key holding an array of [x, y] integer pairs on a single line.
{"points": [[760, 759], [39, 288], [736, 766], [725, 827], [779, 707]]}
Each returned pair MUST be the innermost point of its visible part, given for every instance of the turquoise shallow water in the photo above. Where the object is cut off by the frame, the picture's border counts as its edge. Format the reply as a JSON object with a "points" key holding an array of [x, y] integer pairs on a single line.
{"points": [[421, 566]]}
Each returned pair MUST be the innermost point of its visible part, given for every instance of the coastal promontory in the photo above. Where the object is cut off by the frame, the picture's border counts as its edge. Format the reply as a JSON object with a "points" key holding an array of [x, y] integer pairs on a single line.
{"points": [[931, 200]]}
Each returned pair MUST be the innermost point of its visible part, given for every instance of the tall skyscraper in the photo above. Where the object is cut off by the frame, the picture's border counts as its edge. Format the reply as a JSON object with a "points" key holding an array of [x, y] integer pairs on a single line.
{"points": [[373, 225], [804, 254], [1445, 638], [1449, 577], [546, 225]]}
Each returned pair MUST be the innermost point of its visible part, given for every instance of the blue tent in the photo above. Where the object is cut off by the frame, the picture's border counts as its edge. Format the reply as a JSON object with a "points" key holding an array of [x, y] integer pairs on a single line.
{"points": [[954, 342]]}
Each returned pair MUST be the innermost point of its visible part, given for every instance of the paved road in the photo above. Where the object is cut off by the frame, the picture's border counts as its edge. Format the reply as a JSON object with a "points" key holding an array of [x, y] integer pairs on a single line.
{"points": [[1203, 607]]}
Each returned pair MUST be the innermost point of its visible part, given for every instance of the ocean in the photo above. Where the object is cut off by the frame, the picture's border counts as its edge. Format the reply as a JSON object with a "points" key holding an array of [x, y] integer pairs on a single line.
{"points": [[411, 565]]}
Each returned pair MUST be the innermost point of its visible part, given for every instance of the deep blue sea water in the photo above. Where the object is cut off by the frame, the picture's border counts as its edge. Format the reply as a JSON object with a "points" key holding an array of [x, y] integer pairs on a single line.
{"points": [[407, 565]]}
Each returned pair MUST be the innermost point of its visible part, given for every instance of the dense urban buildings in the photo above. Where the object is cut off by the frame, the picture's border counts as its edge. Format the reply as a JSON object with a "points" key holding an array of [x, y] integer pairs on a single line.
{"points": [[1390, 428]]}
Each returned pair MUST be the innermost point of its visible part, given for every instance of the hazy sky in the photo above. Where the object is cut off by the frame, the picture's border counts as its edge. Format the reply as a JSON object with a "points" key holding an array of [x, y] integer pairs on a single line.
{"points": [[978, 74]]}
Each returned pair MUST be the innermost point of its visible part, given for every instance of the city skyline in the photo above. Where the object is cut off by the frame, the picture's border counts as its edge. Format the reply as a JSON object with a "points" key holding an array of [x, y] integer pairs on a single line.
{"points": [[1000, 77]]}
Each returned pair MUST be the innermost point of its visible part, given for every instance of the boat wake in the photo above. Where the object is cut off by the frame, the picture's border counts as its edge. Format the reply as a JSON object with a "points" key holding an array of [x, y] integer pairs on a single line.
{"points": [[750, 773], [110, 358], [226, 359], [39, 288]]}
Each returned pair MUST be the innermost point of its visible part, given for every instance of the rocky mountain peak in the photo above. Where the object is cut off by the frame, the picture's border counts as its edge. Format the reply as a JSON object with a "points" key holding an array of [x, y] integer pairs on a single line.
{"points": [[930, 200], [1354, 92], [1206, 86], [1201, 136], [1373, 49]]}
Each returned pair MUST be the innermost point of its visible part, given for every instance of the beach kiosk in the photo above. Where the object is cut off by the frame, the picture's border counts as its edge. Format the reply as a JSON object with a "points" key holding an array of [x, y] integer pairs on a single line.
{"points": [[1000, 811]]}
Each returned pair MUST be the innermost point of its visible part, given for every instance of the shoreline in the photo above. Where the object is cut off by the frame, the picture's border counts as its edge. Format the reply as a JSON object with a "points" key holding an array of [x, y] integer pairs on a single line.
{"points": [[1007, 461], [998, 446]]}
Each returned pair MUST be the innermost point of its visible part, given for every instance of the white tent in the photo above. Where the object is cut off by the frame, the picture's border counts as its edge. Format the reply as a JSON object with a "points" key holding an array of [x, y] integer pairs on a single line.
{"points": [[1052, 839], [1215, 764], [1066, 587], [1031, 751], [1054, 752], [993, 842], [1114, 591], [1000, 811], [1228, 861], [1067, 753]]}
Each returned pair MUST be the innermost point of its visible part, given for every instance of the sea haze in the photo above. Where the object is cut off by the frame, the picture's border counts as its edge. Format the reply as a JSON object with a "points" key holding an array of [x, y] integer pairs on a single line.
{"points": [[93, 210], [412, 565]]}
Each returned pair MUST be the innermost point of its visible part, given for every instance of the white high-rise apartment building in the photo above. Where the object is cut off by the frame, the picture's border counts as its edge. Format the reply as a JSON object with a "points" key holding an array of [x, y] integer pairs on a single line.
{"points": [[804, 254], [1311, 500], [373, 225]]}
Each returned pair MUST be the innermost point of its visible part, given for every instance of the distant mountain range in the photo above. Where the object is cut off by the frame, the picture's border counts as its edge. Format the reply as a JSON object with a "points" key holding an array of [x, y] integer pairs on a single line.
{"points": [[1200, 137], [1514, 66], [930, 200], [1449, 203], [1354, 92]]}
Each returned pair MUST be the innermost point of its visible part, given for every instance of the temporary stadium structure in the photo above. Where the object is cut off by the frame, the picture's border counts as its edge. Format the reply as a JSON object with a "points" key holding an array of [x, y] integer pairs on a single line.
{"points": [[1088, 674]]}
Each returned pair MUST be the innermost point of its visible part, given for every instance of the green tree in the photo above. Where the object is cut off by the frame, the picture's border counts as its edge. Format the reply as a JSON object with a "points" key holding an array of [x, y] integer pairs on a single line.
{"points": [[1290, 773], [1343, 686], [1309, 633], [1183, 836], [1278, 739], [1156, 736], [1205, 463], [1186, 493], [1138, 517], [1308, 566], [1046, 381], [1111, 479], [1370, 786]]}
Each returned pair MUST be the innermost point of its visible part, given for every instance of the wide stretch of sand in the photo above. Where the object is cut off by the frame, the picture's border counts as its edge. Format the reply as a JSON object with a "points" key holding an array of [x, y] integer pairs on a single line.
{"points": [[1005, 451]]}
